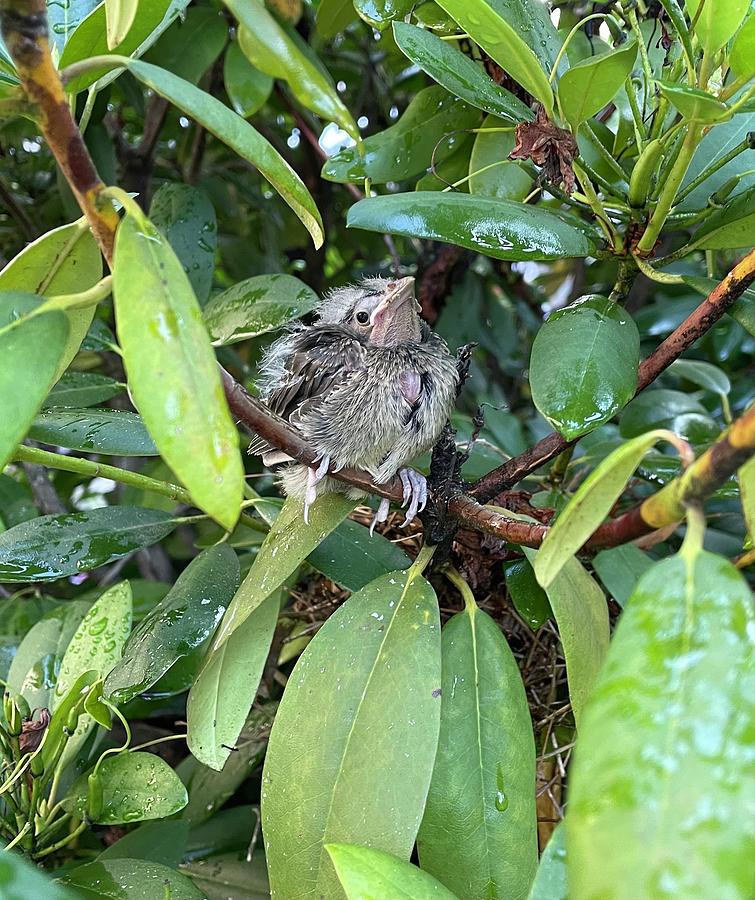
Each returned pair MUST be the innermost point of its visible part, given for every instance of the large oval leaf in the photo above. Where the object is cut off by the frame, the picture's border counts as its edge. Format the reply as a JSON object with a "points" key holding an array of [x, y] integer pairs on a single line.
{"points": [[130, 879], [479, 832], [499, 228], [173, 375], [239, 135], [731, 226], [108, 431], [406, 148], [592, 83], [583, 367], [363, 697], [51, 547], [31, 352], [182, 621], [256, 306], [457, 73], [663, 781], [715, 21]]}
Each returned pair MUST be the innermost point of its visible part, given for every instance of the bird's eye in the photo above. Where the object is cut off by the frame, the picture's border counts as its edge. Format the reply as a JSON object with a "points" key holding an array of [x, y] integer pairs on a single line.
{"points": [[362, 317]]}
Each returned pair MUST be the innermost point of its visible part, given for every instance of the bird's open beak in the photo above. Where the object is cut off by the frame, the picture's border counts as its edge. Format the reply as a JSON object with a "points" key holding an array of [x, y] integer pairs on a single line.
{"points": [[399, 292]]}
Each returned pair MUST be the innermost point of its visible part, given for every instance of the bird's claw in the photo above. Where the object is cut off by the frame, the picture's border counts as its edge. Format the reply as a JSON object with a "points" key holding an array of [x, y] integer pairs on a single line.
{"points": [[415, 493], [314, 477], [382, 513]]}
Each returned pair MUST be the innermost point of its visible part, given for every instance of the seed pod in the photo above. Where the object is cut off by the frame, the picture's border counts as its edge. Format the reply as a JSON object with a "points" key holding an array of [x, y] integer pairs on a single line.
{"points": [[639, 183]]}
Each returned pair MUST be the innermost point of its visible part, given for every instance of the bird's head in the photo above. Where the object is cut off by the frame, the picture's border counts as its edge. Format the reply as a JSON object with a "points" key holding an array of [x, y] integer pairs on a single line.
{"points": [[382, 310]]}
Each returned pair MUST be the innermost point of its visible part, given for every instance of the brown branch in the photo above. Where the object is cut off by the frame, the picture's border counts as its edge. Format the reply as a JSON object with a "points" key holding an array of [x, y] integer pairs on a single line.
{"points": [[693, 327]]}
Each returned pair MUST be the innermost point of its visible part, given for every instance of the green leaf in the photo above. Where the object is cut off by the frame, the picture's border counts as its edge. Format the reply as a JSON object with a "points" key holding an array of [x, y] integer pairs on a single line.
{"points": [[715, 21], [746, 476], [129, 879], [204, 30], [363, 697], [257, 306], [731, 226], [90, 39], [620, 568], [742, 53], [663, 777], [583, 367], [380, 13], [173, 375], [333, 16], [119, 17], [479, 831], [271, 48], [111, 432], [82, 389], [550, 880], [352, 557], [457, 73], [581, 613], [180, 623], [230, 875], [31, 351], [693, 103], [63, 22], [528, 597], [65, 260], [499, 228], [491, 173], [239, 135], [406, 148], [591, 503], [248, 89], [135, 787], [187, 219], [51, 547], [21, 879], [367, 874], [743, 308], [589, 85], [16, 506], [703, 374], [713, 147], [35, 667], [450, 170], [662, 408], [161, 842], [487, 25]]}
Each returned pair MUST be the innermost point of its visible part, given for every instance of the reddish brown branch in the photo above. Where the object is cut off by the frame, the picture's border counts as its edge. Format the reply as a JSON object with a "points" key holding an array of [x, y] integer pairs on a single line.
{"points": [[693, 327]]}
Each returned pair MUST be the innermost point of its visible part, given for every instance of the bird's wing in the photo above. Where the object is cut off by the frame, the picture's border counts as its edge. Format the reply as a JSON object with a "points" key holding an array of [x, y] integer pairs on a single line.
{"points": [[320, 359]]}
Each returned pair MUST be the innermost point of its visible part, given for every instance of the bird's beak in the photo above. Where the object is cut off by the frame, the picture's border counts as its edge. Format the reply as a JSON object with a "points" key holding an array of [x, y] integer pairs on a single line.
{"points": [[396, 318]]}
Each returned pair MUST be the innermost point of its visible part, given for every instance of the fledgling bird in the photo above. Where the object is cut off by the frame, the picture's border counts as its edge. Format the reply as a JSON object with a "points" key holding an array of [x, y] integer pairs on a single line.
{"points": [[369, 385]]}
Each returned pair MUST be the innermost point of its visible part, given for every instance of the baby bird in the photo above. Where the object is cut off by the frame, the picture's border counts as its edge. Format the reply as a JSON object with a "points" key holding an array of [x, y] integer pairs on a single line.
{"points": [[369, 385]]}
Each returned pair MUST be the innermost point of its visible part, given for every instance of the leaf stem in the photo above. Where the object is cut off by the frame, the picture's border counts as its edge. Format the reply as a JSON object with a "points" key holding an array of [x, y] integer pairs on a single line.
{"points": [[470, 605]]}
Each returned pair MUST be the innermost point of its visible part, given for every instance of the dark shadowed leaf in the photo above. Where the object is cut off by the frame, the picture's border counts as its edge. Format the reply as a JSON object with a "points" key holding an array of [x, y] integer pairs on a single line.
{"points": [[380, 13], [129, 879], [528, 597], [620, 568], [333, 16], [111, 432], [247, 87], [82, 389], [352, 557], [367, 874], [191, 44], [663, 408], [731, 226], [161, 842], [230, 875]]}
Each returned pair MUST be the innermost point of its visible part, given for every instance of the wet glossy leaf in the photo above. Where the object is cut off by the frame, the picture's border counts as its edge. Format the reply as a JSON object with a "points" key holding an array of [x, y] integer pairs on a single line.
{"points": [[451, 170], [230, 875], [35, 667], [161, 842], [591, 503], [742, 53], [528, 597], [491, 173], [620, 568], [692, 103], [256, 306], [62, 22], [333, 16], [65, 260], [82, 389], [247, 87], [352, 557], [129, 879], [31, 351], [21, 879], [136, 786], [458, 74], [363, 697], [731, 226], [119, 17], [490, 26], [380, 13], [406, 148], [180, 623], [203, 30], [229, 829], [173, 375], [550, 880], [208, 789], [715, 21], [479, 832], [664, 767], [90, 39], [660, 408], [52, 547], [499, 228], [239, 135], [589, 85], [187, 219], [368, 874], [272, 49], [111, 432], [583, 367], [581, 613]]}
